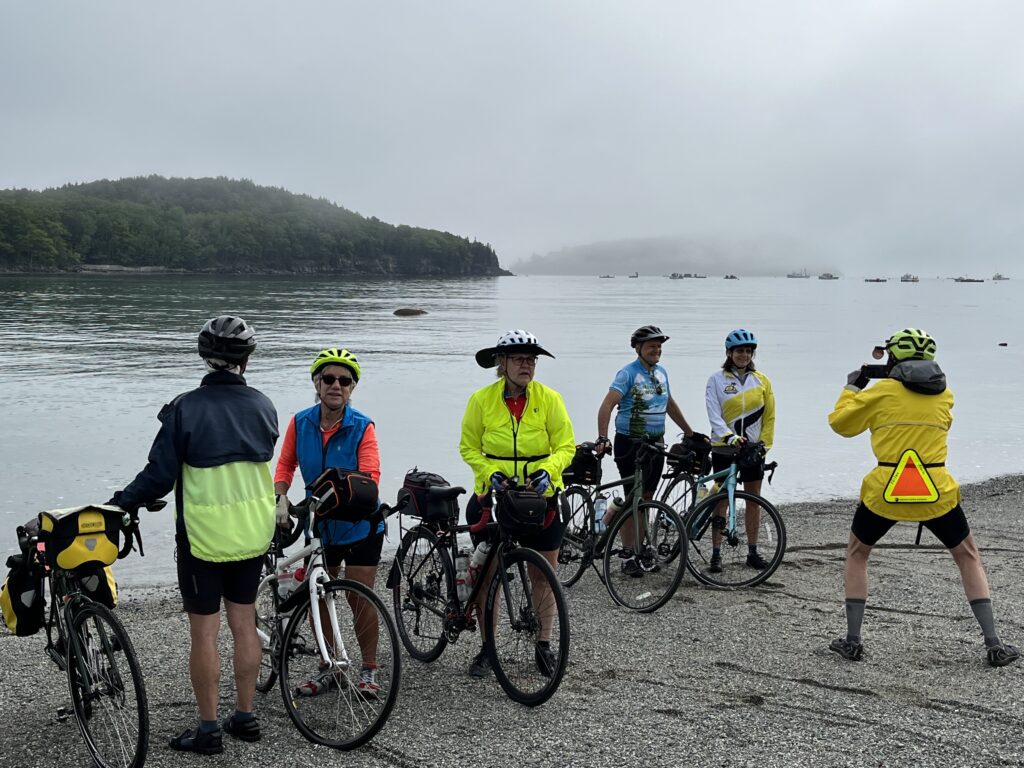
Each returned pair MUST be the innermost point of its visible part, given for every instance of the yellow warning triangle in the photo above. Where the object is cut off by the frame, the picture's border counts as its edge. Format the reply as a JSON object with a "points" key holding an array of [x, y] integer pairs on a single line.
{"points": [[910, 481]]}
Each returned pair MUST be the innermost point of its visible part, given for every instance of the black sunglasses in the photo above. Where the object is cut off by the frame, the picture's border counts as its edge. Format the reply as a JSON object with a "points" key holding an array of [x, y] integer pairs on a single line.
{"points": [[329, 380]]}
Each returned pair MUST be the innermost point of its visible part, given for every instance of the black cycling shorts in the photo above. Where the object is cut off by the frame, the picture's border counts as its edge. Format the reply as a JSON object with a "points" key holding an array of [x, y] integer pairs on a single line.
{"points": [[202, 584], [951, 528], [625, 460], [544, 540], [358, 553], [720, 462]]}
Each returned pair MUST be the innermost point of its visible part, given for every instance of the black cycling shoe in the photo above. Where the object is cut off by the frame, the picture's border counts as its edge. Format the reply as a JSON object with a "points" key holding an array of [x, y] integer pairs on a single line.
{"points": [[194, 740], [715, 564], [545, 659], [481, 666], [1002, 654], [847, 648], [246, 730], [754, 560]]}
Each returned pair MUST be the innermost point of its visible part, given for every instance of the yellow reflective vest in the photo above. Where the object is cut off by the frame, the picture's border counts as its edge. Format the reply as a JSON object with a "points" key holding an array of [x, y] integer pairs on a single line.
{"points": [[900, 420], [492, 441]]}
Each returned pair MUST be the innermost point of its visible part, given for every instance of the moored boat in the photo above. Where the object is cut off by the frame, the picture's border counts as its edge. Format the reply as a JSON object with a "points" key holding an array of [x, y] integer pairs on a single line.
{"points": [[876, 279], [908, 278], [963, 279], [801, 273], [828, 276], [998, 276]]}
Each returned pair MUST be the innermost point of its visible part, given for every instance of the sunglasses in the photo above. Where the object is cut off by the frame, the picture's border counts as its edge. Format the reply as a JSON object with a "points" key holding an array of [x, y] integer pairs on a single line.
{"points": [[329, 380]]}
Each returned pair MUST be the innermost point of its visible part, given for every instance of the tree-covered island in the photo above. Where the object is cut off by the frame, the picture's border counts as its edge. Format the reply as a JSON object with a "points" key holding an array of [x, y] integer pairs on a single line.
{"points": [[218, 225]]}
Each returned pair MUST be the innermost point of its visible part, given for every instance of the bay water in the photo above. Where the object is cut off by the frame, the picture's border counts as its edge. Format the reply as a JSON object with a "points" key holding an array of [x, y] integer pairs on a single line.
{"points": [[86, 362]]}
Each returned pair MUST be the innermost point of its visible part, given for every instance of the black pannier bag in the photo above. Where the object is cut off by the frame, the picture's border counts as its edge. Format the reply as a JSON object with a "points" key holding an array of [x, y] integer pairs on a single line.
{"points": [[690, 455], [585, 467], [521, 512], [21, 598], [751, 458], [420, 504], [345, 495]]}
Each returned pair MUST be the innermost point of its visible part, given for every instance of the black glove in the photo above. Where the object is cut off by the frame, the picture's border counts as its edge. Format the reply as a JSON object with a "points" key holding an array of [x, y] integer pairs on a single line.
{"points": [[540, 481], [857, 380]]}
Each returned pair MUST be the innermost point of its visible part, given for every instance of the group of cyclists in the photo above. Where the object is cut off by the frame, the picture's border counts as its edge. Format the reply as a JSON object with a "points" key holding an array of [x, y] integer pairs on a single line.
{"points": [[216, 443]]}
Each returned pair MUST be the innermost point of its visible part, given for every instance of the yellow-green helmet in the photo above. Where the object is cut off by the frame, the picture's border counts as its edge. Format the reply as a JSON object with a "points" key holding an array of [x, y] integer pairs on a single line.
{"points": [[335, 356], [911, 344]]}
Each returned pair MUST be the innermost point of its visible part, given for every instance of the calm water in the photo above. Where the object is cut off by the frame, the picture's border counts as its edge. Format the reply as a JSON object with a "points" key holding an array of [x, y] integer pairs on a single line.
{"points": [[87, 361]]}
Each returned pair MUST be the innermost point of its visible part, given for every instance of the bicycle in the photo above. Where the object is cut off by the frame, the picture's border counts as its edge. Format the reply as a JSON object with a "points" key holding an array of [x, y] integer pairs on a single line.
{"points": [[523, 600], [83, 637], [701, 516], [662, 537], [352, 696]]}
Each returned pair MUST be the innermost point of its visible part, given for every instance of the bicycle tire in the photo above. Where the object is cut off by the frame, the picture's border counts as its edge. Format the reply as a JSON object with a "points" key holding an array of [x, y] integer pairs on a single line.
{"points": [[735, 572], [108, 694], [680, 493], [577, 547], [269, 623], [419, 590], [512, 643], [345, 714], [661, 564]]}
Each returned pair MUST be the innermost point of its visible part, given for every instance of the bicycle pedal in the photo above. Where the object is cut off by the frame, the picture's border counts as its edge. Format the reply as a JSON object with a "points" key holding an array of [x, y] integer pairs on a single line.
{"points": [[63, 713]]}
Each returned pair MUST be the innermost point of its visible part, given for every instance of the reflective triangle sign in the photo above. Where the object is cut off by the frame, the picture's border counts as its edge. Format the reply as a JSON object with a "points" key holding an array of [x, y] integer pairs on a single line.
{"points": [[910, 481]]}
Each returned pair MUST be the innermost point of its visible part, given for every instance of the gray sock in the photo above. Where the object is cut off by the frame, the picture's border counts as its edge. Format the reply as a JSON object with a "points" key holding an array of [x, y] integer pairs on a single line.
{"points": [[983, 613], [854, 618]]}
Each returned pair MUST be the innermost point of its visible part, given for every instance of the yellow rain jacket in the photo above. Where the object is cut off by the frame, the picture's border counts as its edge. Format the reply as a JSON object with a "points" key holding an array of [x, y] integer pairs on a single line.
{"points": [[916, 417], [492, 441]]}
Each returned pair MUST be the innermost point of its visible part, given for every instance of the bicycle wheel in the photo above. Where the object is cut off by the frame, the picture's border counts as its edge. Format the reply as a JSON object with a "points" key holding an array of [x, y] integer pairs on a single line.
{"points": [[644, 560], [680, 493], [578, 509], [735, 572], [269, 627], [422, 578], [107, 690], [343, 702], [527, 608]]}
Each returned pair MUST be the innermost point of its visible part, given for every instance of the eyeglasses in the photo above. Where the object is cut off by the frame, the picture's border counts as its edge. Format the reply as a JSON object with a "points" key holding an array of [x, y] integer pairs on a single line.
{"points": [[329, 380], [522, 359]]}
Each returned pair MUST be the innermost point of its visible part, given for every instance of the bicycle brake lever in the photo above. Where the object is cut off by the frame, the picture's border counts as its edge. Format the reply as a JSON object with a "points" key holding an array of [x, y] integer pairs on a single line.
{"points": [[771, 470]]}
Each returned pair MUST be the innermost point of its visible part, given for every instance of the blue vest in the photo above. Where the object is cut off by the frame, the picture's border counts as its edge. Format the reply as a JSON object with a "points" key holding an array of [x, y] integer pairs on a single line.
{"points": [[341, 451]]}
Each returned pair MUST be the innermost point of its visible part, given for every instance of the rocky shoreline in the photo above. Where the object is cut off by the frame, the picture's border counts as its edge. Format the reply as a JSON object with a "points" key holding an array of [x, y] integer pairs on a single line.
{"points": [[714, 678]]}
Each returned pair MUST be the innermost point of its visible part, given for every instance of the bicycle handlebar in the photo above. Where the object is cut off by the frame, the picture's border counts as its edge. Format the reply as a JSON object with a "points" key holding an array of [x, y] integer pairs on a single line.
{"points": [[130, 526]]}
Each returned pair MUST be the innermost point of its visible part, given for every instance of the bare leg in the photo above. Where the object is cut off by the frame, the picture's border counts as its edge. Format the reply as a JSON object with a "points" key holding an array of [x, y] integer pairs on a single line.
{"points": [[248, 652], [367, 631], [752, 517], [968, 560], [204, 662]]}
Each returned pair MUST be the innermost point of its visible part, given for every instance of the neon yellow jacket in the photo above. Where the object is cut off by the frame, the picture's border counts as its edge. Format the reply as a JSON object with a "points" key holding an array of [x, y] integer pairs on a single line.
{"points": [[490, 430], [900, 419]]}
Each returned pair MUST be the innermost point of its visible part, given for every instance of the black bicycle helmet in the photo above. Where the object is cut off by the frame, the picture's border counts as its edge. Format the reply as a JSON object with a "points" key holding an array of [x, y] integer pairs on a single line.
{"points": [[227, 338], [647, 333]]}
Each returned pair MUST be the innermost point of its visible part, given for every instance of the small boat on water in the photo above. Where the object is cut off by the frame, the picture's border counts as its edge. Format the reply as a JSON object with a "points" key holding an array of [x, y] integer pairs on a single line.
{"points": [[963, 279], [828, 276], [801, 273], [635, 274], [876, 279], [998, 276], [675, 276], [731, 277], [605, 276], [908, 278]]}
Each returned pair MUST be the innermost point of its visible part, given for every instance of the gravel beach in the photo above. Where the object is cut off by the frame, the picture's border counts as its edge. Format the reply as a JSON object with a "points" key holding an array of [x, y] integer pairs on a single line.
{"points": [[715, 678]]}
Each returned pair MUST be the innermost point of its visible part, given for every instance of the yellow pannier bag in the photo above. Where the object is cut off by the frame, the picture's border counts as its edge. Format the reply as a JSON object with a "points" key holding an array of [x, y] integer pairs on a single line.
{"points": [[100, 585], [81, 537]]}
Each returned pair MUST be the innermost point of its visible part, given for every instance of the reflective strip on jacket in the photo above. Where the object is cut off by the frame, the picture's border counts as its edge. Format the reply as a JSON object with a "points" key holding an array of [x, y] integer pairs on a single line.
{"points": [[341, 452], [900, 420], [740, 407], [488, 427]]}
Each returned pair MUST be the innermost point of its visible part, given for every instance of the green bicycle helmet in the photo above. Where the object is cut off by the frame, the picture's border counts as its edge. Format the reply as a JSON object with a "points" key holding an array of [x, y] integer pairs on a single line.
{"points": [[335, 356], [911, 344]]}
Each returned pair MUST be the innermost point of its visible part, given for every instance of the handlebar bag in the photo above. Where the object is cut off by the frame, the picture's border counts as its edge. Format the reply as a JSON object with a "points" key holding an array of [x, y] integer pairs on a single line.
{"points": [[751, 458], [415, 487], [21, 598], [584, 469], [81, 537], [521, 512], [345, 495]]}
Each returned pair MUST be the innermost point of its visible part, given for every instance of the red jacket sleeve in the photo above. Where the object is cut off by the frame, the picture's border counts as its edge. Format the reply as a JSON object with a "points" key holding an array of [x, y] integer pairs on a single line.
{"points": [[288, 460], [368, 454]]}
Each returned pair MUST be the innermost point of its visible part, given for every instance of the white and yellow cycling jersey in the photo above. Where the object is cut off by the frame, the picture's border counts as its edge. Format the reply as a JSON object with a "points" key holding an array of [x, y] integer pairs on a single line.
{"points": [[740, 404]]}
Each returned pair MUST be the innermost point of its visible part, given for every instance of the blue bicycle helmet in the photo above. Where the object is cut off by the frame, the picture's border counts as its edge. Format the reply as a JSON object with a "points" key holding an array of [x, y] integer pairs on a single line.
{"points": [[740, 338]]}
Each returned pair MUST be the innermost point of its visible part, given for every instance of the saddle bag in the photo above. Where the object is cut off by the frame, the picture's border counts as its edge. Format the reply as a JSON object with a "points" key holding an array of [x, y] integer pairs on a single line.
{"points": [[584, 469], [81, 537], [420, 504]]}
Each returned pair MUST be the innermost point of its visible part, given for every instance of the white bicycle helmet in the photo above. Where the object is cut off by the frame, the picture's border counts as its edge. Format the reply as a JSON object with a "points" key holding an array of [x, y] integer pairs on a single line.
{"points": [[509, 343]]}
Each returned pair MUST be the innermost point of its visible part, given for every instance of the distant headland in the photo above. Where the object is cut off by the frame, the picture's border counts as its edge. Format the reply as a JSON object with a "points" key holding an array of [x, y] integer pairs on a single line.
{"points": [[219, 225]]}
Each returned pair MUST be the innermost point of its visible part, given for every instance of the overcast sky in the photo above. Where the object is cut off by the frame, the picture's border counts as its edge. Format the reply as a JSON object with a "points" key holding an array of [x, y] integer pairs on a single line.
{"points": [[874, 131]]}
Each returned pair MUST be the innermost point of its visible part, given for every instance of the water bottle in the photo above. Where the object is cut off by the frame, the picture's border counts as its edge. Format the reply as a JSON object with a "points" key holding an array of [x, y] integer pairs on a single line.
{"points": [[462, 586], [600, 510], [289, 581], [476, 563], [702, 492]]}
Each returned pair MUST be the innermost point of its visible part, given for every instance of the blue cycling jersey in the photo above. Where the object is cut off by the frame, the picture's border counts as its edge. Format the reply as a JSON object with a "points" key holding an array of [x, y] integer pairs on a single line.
{"points": [[644, 403]]}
